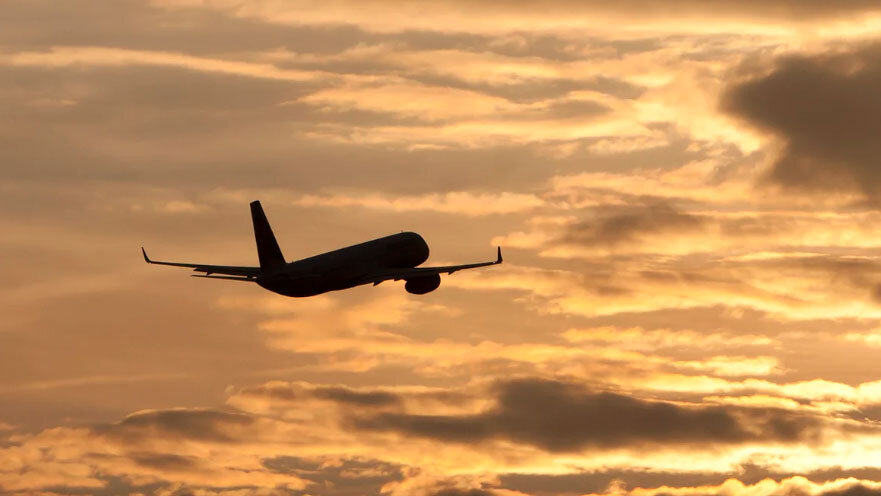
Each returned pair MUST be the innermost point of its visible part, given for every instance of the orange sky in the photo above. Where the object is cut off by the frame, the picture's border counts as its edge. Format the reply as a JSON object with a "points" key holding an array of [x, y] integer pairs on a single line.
{"points": [[687, 193]]}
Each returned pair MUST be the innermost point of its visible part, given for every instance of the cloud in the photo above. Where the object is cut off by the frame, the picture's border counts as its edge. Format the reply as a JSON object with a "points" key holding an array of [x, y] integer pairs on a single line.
{"points": [[105, 56], [345, 395], [198, 449], [340, 475], [340, 394], [789, 487], [353, 338], [560, 417], [494, 17], [465, 492], [430, 103], [701, 179], [655, 220], [299, 443], [141, 25], [638, 338], [177, 142], [203, 425], [659, 317], [824, 109], [461, 203], [795, 289], [425, 483]]}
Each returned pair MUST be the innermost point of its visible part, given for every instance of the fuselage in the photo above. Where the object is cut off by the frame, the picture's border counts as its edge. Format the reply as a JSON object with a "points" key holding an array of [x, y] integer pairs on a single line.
{"points": [[346, 267]]}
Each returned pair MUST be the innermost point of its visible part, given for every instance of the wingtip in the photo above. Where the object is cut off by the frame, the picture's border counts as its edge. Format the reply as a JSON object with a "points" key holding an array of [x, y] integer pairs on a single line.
{"points": [[499, 259], [146, 258]]}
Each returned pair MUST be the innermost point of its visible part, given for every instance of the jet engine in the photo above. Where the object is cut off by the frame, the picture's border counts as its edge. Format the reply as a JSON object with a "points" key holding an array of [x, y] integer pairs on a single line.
{"points": [[422, 285]]}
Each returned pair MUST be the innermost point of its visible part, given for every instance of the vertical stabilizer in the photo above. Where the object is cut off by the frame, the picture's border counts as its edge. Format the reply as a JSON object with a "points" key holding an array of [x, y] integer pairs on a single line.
{"points": [[267, 247]]}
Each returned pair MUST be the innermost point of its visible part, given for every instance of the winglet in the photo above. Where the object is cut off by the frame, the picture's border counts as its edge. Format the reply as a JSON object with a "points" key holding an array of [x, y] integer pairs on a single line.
{"points": [[498, 260], [146, 258]]}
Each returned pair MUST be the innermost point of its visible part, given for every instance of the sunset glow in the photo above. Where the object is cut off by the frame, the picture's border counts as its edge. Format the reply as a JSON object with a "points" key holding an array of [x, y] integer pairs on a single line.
{"points": [[687, 194]]}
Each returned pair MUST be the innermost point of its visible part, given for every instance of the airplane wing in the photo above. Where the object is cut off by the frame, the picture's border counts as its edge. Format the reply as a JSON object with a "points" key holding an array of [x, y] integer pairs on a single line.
{"points": [[228, 272], [398, 274]]}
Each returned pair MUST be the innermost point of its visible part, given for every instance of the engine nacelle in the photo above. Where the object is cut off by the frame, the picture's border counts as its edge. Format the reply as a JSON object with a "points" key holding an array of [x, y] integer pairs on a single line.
{"points": [[422, 285]]}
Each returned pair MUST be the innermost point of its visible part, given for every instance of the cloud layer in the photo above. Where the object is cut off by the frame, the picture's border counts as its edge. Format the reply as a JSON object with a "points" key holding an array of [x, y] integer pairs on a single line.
{"points": [[685, 192]]}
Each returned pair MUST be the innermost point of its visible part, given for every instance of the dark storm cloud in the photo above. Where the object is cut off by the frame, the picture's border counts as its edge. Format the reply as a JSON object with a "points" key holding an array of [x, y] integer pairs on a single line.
{"points": [[563, 417], [825, 108], [630, 224]]}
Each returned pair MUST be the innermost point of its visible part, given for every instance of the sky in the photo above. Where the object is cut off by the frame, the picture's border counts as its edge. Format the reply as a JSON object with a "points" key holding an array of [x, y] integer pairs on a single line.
{"points": [[687, 194]]}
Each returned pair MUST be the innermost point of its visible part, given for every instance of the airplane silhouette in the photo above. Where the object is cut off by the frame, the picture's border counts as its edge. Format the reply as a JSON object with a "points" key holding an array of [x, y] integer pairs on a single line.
{"points": [[393, 257]]}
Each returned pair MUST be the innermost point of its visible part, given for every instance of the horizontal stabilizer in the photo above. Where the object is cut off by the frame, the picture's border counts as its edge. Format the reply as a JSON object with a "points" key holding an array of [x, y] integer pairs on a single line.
{"points": [[228, 278]]}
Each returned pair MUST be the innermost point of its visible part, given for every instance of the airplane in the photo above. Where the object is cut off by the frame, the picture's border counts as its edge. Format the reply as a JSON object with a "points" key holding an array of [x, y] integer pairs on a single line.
{"points": [[393, 257]]}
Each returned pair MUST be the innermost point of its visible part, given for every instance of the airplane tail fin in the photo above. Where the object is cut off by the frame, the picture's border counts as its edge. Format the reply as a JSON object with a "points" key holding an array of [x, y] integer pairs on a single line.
{"points": [[267, 247]]}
